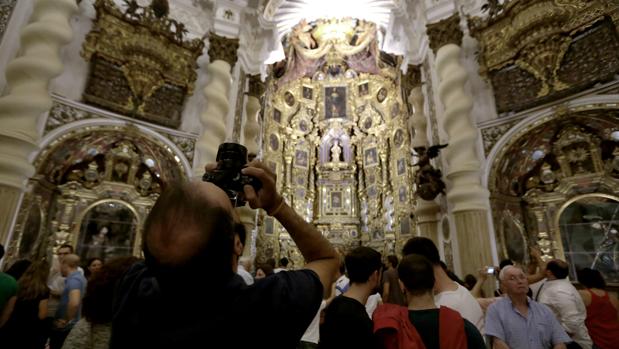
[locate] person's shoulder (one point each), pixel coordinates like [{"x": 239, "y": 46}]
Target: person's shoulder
[
  {"x": 499, "y": 304},
  {"x": 540, "y": 307},
  {"x": 7, "y": 280}
]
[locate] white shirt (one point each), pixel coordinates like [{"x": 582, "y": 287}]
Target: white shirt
[
  {"x": 567, "y": 305},
  {"x": 372, "y": 302},
  {"x": 463, "y": 302},
  {"x": 249, "y": 280},
  {"x": 312, "y": 333}
]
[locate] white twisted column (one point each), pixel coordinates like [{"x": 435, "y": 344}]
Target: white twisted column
[
  {"x": 252, "y": 127},
  {"x": 425, "y": 211},
  {"x": 222, "y": 53},
  {"x": 28, "y": 78},
  {"x": 465, "y": 192},
  {"x": 252, "y": 130}
]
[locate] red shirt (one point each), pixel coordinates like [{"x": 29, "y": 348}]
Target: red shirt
[{"x": 602, "y": 321}]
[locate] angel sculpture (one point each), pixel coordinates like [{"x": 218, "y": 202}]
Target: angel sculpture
[
  {"x": 428, "y": 179},
  {"x": 493, "y": 7},
  {"x": 160, "y": 8}
]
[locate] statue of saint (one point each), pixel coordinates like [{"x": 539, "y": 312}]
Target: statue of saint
[{"x": 336, "y": 152}]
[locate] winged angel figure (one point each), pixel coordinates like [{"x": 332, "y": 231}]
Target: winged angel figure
[{"x": 428, "y": 179}]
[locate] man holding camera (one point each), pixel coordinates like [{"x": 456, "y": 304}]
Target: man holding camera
[{"x": 186, "y": 293}]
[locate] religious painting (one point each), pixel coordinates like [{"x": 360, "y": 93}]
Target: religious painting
[
  {"x": 381, "y": 95},
  {"x": 402, "y": 194},
  {"x": 268, "y": 226},
  {"x": 398, "y": 138},
  {"x": 289, "y": 98},
  {"x": 405, "y": 226},
  {"x": 335, "y": 102},
  {"x": 364, "y": 89},
  {"x": 300, "y": 158},
  {"x": 370, "y": 157},
  {"x": 273, "y": 142},
  {"x": 277, "y": 115},
  {"x": 395, "y": 110},
  {"x": 367, "y": 123},
  {"x": 303, "y": 126},
  {"x": 308, "y": 93},
  {"x": 401, "y": 165},
  {"x": 378, "y": 235},
  {"x": 336, "y": 199},
  {"x": 372, "y": 191}
]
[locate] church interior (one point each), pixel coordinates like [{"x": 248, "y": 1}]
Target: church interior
[{"x": 490, "y": 127}]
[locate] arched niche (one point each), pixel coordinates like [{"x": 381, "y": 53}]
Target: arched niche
[
  {"x": 90, "y": 164},
  {"x": 107, "y": 228},
  {"x": 544, "y": 163},
  {"x": 588, "y": 229}
]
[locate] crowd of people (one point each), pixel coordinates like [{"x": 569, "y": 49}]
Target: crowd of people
[{"x": 193, "y": 288}]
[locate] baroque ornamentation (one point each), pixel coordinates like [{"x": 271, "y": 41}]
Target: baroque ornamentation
[
  {"x": 412, "y": 79},
  {"x": 335, "y": 132},
  {"x": 223, "y": 49},
  {"x": 141, "y": 64},
  {"x": 536, "y": 51},
  {"x": 491, "y": 135},
  {"x": 446, "y": 31}
]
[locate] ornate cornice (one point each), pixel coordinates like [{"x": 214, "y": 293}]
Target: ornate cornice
[
  {"x": 222, "y": 49},
  {"x": 446, "y": 31},
  {"x": 256, "y": 86}
]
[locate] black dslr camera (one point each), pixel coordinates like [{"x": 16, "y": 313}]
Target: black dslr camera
[{"x": 231, "y": 159}]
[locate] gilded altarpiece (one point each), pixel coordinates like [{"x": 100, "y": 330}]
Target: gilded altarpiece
[
  {"x": 556, "y": 186},
  {"x": 335, "y": 132}
]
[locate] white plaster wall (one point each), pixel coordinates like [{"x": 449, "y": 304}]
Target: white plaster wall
[{"x": 72, "y": 81}]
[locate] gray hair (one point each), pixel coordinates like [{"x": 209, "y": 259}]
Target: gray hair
[{"x": 504, "y": 271}]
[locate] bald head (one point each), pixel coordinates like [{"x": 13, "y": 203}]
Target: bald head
[
  {"x": 186, "y": 219},
  {"x": 69, "y": 264}
]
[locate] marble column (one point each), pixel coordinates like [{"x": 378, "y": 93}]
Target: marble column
[
  {"x": 223, "y": 55},
  {"x": 252, "y": 131},
  {"x": 28, "y": 77},
  {"x": 426, "y": 212},
  {"x": 465, "y": 194}
]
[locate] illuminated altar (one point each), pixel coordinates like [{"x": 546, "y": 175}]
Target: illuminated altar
[{"x": 335, "y": 133}]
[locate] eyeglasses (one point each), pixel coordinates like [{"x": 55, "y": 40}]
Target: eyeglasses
[{"x": 62, "y": 253}]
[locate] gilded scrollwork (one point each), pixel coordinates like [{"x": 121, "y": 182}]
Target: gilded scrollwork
[
  {"x": 141, "y": 63},
  {"x": 223, "y": 48},
  {"x": 537, "y": 51}
]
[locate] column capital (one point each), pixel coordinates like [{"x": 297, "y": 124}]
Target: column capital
[
  {"x": 412, "y": 78},
  {"x": 256, "y": 86},
  {"x": 222, "y": 48},
  {"x": 443, "y": 32}
]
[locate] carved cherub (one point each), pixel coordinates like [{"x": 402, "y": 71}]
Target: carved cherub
[
  {"x": 160, "y": 8},
  {"x": 493, "y": 7},
  {"x": 303, "y": 34},
  {"x": 428, "y": 179}
]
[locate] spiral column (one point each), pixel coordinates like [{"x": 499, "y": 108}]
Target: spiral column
[
  {"x": 28, "y": 98},
  {"x": 222, "y": 54},
  {"x": 468, "y": 199},
  {"x": 425, "y": 211}
]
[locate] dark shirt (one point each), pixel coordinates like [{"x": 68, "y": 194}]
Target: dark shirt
[
  {"x": 24, "y": 329},
  {"x": 427, "y": 325},
  {"x": 149, "y": 314},
  {"x": 346, "y": 325}
]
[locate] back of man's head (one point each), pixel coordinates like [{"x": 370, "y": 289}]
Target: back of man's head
[
  {"x": 422, "y": 246},
  {"x": 71, "y": 260},
  {"x": 361, "y": 263},
  {"x": 558, "y": 268},
  {"x": 417, "y": 274},
  {"x": 66, "y": 246},
  {"x": 393, "y": 260},
  {"x": 283, "y": 262},
  {"x": 188, "y": 230}
]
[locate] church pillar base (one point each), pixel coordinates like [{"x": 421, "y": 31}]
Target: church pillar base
[{"x": 474, "y": 243}]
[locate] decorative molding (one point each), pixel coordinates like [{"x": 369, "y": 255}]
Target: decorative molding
[
  {"x": 446, "y": 31},
  {"x": 223, "y": 49},
  {"x": 491, "y": 135},
  {"x": 411, "y": 79},
  {"x": 64, "y": 112},
  {"x": 6, "y": 10}
]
